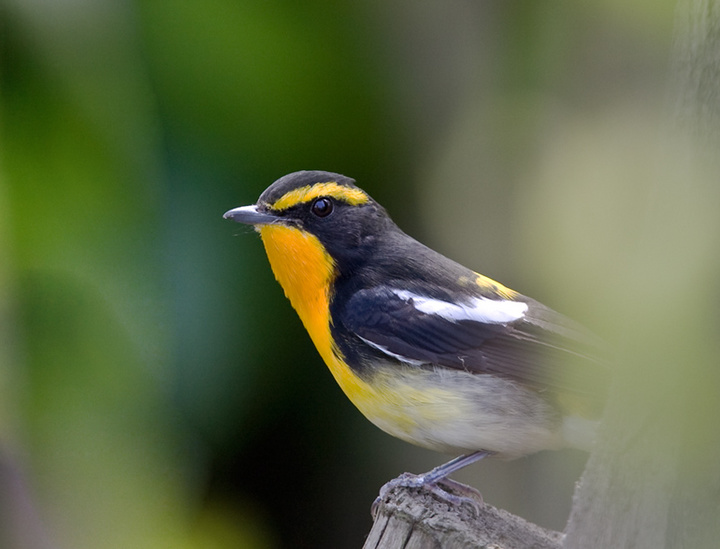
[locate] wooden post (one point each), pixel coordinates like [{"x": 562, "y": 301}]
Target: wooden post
[{"x": 414, "y": 518}]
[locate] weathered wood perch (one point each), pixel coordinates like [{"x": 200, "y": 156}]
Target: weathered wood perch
[{"x": 414, "y": 518}]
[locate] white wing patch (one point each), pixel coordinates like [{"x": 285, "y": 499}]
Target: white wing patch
[{"x": 479, "y": 309}]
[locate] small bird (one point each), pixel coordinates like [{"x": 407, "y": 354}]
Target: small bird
[{"x": 429, "y": 351}]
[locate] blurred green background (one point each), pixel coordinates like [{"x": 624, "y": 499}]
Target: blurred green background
[{"x": 156, "y": 389}]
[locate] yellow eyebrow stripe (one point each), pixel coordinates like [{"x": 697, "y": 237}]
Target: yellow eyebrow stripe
[{"x": 353, "y": 197}]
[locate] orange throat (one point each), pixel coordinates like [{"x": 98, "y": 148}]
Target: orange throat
[{"x": 305, "y": 271}]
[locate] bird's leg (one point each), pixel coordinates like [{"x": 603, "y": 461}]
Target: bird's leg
[
  {"x": 442, "y": 471},
  {"x": 431, "y": 480}
]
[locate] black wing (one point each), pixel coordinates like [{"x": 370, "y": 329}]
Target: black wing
[{"x": 542, "y": 349}]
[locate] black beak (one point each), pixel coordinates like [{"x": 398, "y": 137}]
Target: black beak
[{"x": 250, "y": 216}]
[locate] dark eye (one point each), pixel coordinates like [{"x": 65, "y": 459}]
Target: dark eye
[{"x": 322, "y": 207}]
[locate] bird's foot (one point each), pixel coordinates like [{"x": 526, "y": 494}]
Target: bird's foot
[
  {"x": 444, "y": 489},
  {"x": 433, "y": 479}
]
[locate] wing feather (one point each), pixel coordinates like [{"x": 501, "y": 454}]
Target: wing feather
[{"x": 541, "y": 348}]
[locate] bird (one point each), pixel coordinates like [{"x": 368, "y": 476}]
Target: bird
[{"x": 431, "y": 352}]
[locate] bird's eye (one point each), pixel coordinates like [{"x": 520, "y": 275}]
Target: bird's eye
[{"x": 322, "y": 207}]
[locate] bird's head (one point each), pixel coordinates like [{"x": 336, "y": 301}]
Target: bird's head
[{"x": 317, "y": 208}]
